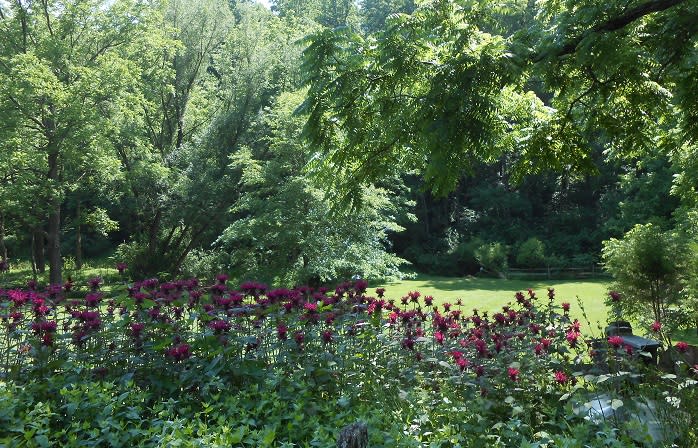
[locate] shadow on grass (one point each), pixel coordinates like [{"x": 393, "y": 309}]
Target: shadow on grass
[{"x": 492, "y": 284}]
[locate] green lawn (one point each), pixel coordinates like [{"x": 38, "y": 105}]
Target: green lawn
[{"x": 491, "y": 293}]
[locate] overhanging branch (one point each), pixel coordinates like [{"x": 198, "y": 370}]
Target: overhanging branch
[{"x": 613, "y": 24}]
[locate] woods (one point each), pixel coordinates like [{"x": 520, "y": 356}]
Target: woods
[{"x": 182, "y": 134}]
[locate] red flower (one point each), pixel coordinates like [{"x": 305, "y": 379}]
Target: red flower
[
  {"x": 327, "y": 336},
  {"x": 282, "y": 331},
  {"x": 92, "y": 299},
  {"x": 616, "y": 341},
  {"x": 439, "y": 336},
  {"x": 121, "y": 267},
  {"x": 566, "y": 307},
  {"x": 561, "y": 377},
  {"x": 614, "y": 295},
  {"x": 219, "y": 326},
  {"x": 462, "y": 363},
  {"x": 179, "y": 352},
  {"x": 656, "y": 326},
  {"x": 513, "y": 373},
  {"x": 136, "y": 329},
  {"x": 682, "y": 347},
  {"x": 94, "y": 282},
  {"x": 628, "y": 349},
  {"x": 572, "y": 337},
  {"x": 310, "y": 307}
]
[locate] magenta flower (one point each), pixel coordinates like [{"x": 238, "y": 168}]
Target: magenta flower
[
  {"x": 219, "y": 326},
  {"x": 92, "y": 299},
  {"x": 462, "y": 363},
  {"x": 121, "y": 267},
  {"x": 360, "y": 286},
  {"x": 179, "y": 352},
  {"x": 44, "y": 327},
  {"x": 561, "y": 377},
  {"x": 614, "y": 295},
  {"x": 136, "y": 329},
  {"x": 572, "y": 337},
  {"x": 566, "y": 307},
  {"x": 408, "y": 343},
  {"x": 656, "y": 326},
  {"x": 327, "y": 336},
  {"x": 439, "y": 337},
  {"x": 299, "y": 337},
  {"x": 282, "y": 331},
  {"x": 616, "y": 341},
  {"x": 94, "y": 283},
  {"x": 682, "y": 347},
  {"x": 513, "y": 374}
]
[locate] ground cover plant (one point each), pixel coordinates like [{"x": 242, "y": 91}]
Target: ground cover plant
[{"x": 180, "y": 363}]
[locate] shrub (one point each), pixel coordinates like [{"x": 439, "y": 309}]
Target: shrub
[
  {"x": 647, "y": 267},
  {"x": 493, "y": 257},
  {"x": 531, "y": 254}
]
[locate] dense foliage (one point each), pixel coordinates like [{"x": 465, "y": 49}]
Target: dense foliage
[
  {"x": 164, "y": 129},
  {"x": 159, "y": 362}
]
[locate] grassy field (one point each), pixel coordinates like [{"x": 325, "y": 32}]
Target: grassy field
[{"x": 492, "y": 293}]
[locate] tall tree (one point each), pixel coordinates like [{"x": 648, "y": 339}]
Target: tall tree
[
  {"x": 448, "y": 86},
  {"x": 285, "y": 229},
  {"x": 60, "y": 71}
]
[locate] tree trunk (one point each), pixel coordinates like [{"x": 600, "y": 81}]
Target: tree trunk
[
  {"x": 39, "y": 250},
  {"x": 353, "y": 436},
  {"x": 54, "y": 224},
  {"x": 3, "y": 248},
  {"x": 78, "y": 238},
  {"x": 33, "y": 251}
]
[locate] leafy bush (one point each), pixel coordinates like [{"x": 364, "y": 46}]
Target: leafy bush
[
  {"x": 493, "y": 257},
  {"x": 531, "y": 254},
  {"x": 647, "y": 267}
]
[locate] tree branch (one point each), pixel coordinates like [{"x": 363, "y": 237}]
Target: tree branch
[{"x": 612, "y": 24}]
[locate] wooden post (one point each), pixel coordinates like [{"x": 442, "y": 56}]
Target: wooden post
[{"x": 353, "y": 436}]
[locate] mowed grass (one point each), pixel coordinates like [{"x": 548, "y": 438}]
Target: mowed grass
[{"x": 490, "y": 294}]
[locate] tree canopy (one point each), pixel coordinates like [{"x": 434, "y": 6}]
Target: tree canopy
[{"x": 459, "y": 82}]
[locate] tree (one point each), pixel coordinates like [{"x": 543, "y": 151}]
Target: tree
[
  {"x": 179, "y": 97},
  {"x": 61, "y": 70},
  {"x": 374, "y": 13},
  {"x": 648, "y": 266},
  {"x": 284, "y": 228},
  {"x": 452, "y": 84}
]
